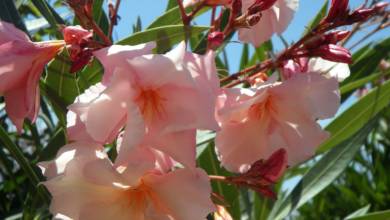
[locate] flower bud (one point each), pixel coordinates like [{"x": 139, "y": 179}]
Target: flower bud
[
  {"x": 380, "y": 6},
  {"x": 76, "y": 35},
  {"x": 338, "y": 8},
  {"x": 215, "y": 39},
  {"x": 360, "y": 15},
  {"x": 330, "y": 38},
  {"x": 260, "y": 5},
  {"x": 333, "y": 53}
]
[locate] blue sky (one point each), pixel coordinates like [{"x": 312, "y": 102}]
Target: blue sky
[{"x": 148, "y": 10}]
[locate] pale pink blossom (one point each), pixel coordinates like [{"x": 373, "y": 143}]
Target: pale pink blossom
[
  {"x": 329, "y": 69},
  {"x": 273, "y": 21},
  {"x": 257, "y": 121},
  {"x": 86, "y": 185},
  {"x": 21, "y": 65},
  {"x": 161, "y": 99}
]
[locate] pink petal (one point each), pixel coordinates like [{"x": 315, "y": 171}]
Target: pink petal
[
  {"x": 177, "y": 188},
  {"x": 116, "y": 55},
  {"x": 9, "y": 32}
]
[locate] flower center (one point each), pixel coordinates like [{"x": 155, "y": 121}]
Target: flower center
[
  {"x": 263, "y": 109},
  {"x": 151, "y": 103}
]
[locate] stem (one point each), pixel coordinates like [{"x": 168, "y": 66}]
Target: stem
[
  {"x": 219, "y": 178},
  {"x": 23, "y": 163},
  {"x": 100, "y": 33},
  {"x": 184, "y": 16},
  {"x": 113, "y": 17}
]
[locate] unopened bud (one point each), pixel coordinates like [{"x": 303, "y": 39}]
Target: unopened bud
[
  {"x": 75, "y": 34},
  {"x": 217, "y": 2},
  {"x": 380, "y": 6},
  {"x": 330, "y": 38},
  {"x": 360, "y": 15},
  {"x": 215, "y": 39},
  {"x": 260, "y": 5},
  {"x": 338, "y": 8},
  {"x": 333, "y": 53}
]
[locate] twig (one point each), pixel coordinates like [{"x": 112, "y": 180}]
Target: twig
[{"x": 113, "y": 16}]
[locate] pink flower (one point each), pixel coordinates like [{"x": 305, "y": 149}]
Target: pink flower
[
  {"x": 21, "y": 65},
  {"x": 86, "y": 185},
  {"x": 162, "y": 100},
  {"x": 273, "y": 21},
  {"x": 257, "y": 121}
]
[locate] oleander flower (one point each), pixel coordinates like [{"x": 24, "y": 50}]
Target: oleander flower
[
  {"x": 329, "y": 69},
  {"x": 21, "y": 65},
  {"x": 161, "y": 99},
  {"x": 273, "y": 21},
  {"x": 85, "y": 185},
  {"x": 257, "y": 121}
]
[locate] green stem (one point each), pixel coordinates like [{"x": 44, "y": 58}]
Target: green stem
[{"x": 23, "y": 163}]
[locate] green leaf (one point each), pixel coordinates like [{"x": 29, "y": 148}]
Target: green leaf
[
  {"x": 261, "y": 207},
  {"x": 60, "y": 81},
  {"x": 171, "y": 4},
  {"x": 323, "y": 173},
  {"x": 168, "y": 35},
  {"x": 383, "y": 215},
  {"x": 9, "y": 13},
  {"x": 57, "y": 140},
  {"x": 100, "y": 16},
  {"x": 209, "y": 162},
  {"x": 320, "y": 15},
  {"x": 17, "y": 154},
  {"x": 350, "y": 87},
  {"x": 359, "y": 212},
  {"x": 356, "y": 116},
  {"x": 50, "y": 14}
]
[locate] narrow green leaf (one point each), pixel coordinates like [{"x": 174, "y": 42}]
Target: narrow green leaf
[
  {"x": 170, "y": 34},
  {"x": 209, "y": 162},
  {"x": 100, "y": 16},
  {"x": 171, "y": 4},
  {"x": 320, "y": 15},
  {"x": 323, "y": 173},
  {"x": 50, "y": 14},
  {"x": 9, "y": 13},
  {"x": 57, "y": 140},
  {"x": 60, "y": 80},
  {"x": 356, "y": 116},
  {"x": 359, "y": 212},
  {"x": 383, "y": 215},
  {"x": 361, "y": 82},
  {"x": 23, "y": 163}
]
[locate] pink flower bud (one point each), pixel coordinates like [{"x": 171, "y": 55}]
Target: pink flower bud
[
  {"x": 75, "y": 35},
  {"x": 338, "y": 8},
  {"x": 333, "y": 53},
  {"x": 215, "y": 39}
]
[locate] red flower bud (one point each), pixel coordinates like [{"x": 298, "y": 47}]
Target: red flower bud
[
  {"x": 263, "y": 174},
  {"x": 380, "y": 6},
  {"x": 260, "y": 5},
  {"x": 338, "y": 8},
  {"x": 330, "y": 38},
  {"x": 360, "y": 15},
  {"x": 215, "y": 39},
  {"x": 333, "y": 53},
  {"x": 217, "y": 2}
]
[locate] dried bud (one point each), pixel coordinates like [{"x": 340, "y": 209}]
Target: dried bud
[
  {"x": 260, "y": 5},
  {"x": 338, "y": 8},
  {"x": 215, "y": 39},
  {"x": 263, "y": 174},
  {"x": 76, "y": 35},
  {"x": 333, "y": 53},
  {"x": 252, "y": 20}
]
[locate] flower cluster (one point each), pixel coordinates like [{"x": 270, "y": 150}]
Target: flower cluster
[{"x": 152, "y": 105}]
